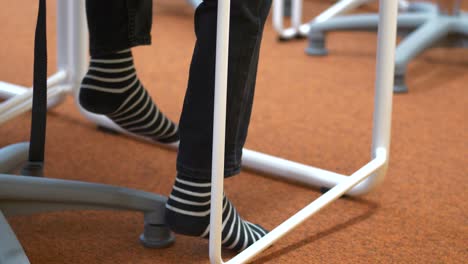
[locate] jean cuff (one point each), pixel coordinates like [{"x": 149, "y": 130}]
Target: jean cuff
[{"x": 204, "y": 173}]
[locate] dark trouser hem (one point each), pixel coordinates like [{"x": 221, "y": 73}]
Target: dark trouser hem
[
  {"x": 198, "y": 164},
  {"x": 118, "y": 24},
  {"x": 205, "y": 174},
  {"x": 102, "y": 51}
]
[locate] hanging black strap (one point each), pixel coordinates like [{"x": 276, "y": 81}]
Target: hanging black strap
[{"x": 39, "y": 106}]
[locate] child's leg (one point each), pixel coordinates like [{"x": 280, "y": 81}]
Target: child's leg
[
  {"x": 188, "y": 207},
  {"x": 188, "y": 213},
  {"x": 111, "y": 87}
]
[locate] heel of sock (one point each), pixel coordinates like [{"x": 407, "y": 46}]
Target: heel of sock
[
  {"x": 95, "y": 102},
  {"x": 186, "y": 225}
]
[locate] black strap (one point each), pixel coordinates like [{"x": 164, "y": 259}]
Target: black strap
[{"x": 39, "y": 106}]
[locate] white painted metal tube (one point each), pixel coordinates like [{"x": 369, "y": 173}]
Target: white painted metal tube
[
  {"x": 385, "y": 64},
  {"x": 309, "y": 210},
  {"x": 344, "y": 6},
  {"x": 72, "y": 40},
  {"x": 385, "y": 67},
  {"x": 219, "y": 130},
  {"x": 54, "y": 95},
  {"x": 78, "y": 41},
  {"x": 8, "y": 90},
  {"x": 278, "y": 15},
  {"x": 27, "y": 93},
  {"x": 290, "y": 170},
  {"x": 339, "y": 8},
  {"x": 63, "y": 32},
  {"x": 403, "y": 5},
  {"x": 296, "y": 16},
  {"x": 296, "y": 13}
]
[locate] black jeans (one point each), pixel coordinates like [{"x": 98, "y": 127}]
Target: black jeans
[{"x": 120, "y": 24}]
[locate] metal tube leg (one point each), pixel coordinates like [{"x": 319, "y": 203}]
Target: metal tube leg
[
  {"x": 278, "y": 16},
  {"x": 219, "y": 130},
  {"x": 282, "y": 9},
  {"x": 422, "y": 38},
  {"x": 79, "y": 43},
  {"x": 383, "y": 93},
  {"x": 11, "y": 251},
  {"x": 63, "y": 31}
]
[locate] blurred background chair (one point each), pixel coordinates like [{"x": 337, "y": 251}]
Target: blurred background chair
[
  {"x": 293, "y": 10},
  {"x": 424, "y": 25},
  {"x": 194, "y": 3}
]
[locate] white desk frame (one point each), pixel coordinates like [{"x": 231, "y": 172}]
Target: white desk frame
[{"x": 72, "y": 63}]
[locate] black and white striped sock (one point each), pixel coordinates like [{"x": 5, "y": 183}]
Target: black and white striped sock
[
  {"x": 112, "y": 88},
  {"x": 188, "y": 213}
]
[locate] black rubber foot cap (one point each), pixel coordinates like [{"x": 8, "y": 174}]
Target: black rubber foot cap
[
  {"x": 35, "y": 169},
  {"x": 157, "y": 236}
]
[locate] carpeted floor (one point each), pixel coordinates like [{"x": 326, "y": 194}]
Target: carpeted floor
[{"x": 313, "y": 110}]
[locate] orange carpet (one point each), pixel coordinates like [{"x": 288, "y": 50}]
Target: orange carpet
[{"x": 313, "y": 110}]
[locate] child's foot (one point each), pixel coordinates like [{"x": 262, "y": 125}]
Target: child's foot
[
  {"x": 112, "y": 88},
  {"x": 188, "y": 213}
]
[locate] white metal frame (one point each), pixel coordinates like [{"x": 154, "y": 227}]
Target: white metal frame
[
  {"x": 72, "y": 60},
  {"x": 298, "y": 29},
  {"x": 360, "y": 182}
]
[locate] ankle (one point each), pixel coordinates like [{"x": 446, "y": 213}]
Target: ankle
[{"x": 107, "y": 74}]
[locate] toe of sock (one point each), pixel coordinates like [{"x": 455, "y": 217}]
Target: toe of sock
[{"x": 263, "y": 229}]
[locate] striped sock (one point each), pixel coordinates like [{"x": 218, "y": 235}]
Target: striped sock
[
  {"x": 112, "y": 88},
  {"x": 188, "y": 213}
]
